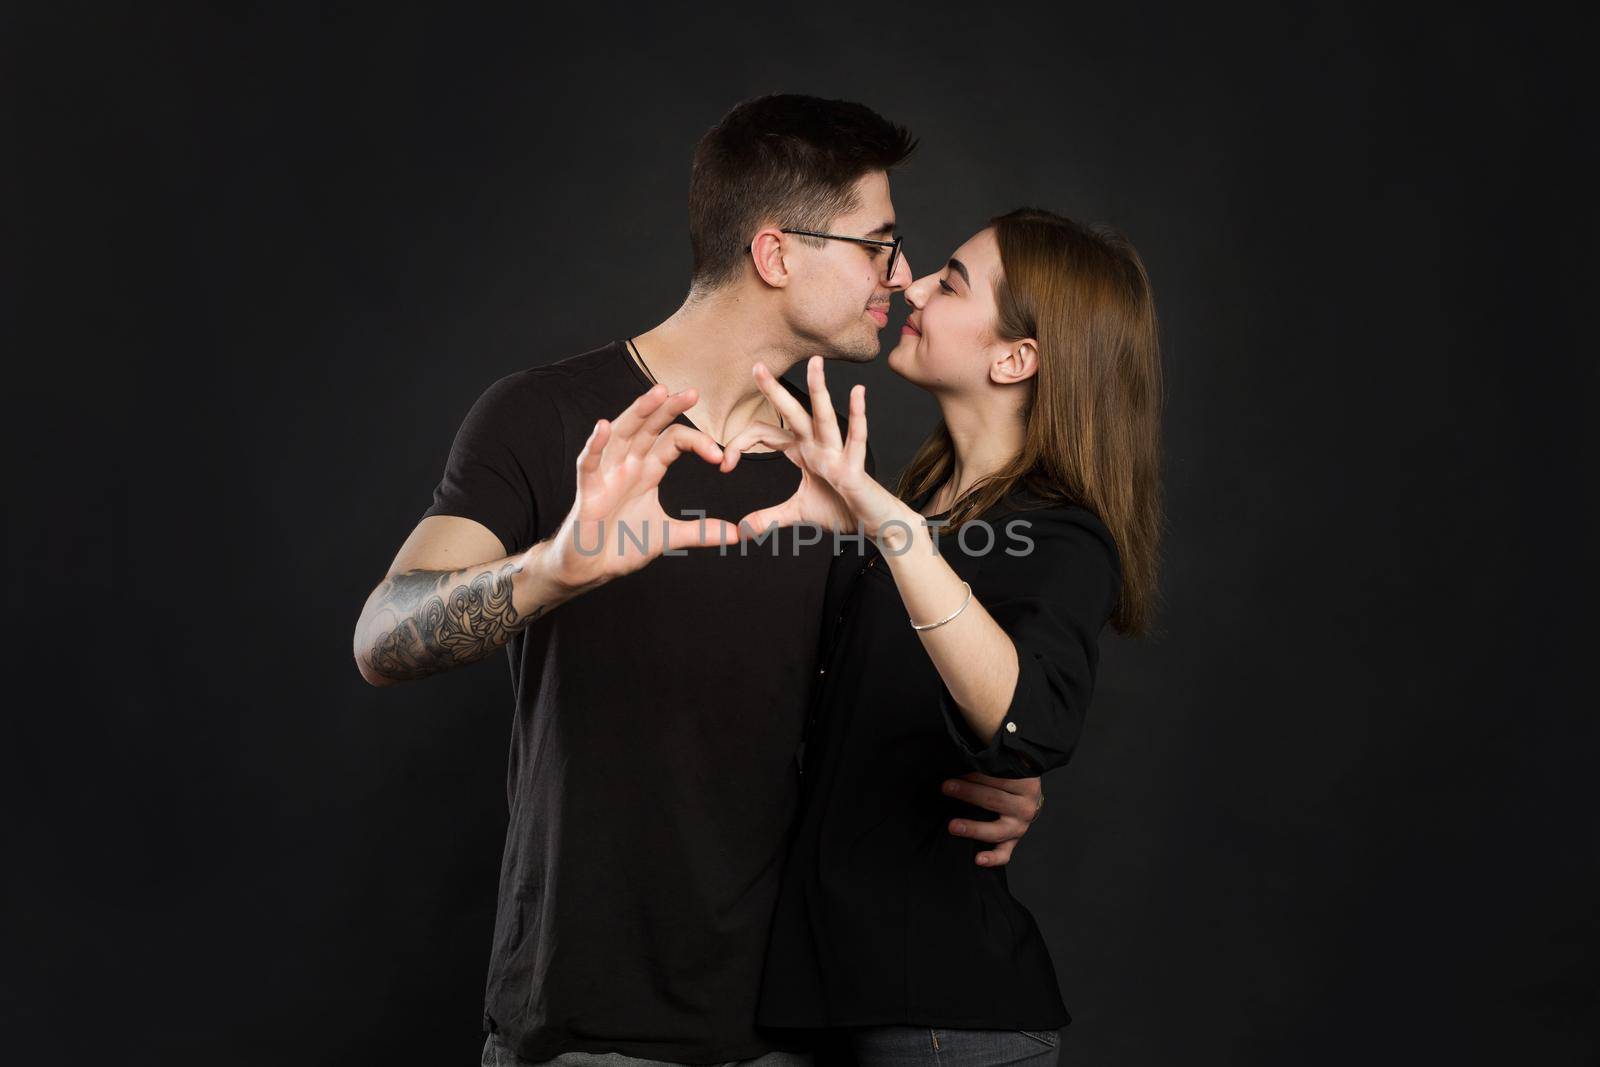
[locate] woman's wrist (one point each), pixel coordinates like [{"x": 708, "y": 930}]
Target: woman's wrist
[{"x": 897, "y": 530}]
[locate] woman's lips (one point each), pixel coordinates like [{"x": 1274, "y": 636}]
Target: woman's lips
[
  {"x": 910, "y": 329},
  {"x": 880, "y": 316}
]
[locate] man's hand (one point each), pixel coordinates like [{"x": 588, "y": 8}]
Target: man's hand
[
  {"x": 616, "y": 524},
  {"x": 1016, "y": 800}
]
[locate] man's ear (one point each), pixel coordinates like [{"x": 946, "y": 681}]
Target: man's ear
[
  {"x": 766, "y": 253},
  {"x": 1019, "y": 362}
]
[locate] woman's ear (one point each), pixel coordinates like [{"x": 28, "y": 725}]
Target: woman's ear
[
  {"x": 1019, "y": 363},
  {"x": 766, "y": 253}
]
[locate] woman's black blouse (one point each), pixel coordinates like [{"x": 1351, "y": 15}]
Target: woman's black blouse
[{"x": 884, "y": 918}]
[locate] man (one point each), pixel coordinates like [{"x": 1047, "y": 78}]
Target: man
[{"x": 653, "y": 768}]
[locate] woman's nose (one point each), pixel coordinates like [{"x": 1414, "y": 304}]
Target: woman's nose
[{"x": 917, "y": 292}]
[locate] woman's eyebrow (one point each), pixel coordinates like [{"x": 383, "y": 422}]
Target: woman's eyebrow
[{"x": 961, "y": 269}]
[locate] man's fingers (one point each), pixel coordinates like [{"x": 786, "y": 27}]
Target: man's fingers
[
  {"x": 674, "y": 441},
  {"x": 998, "y": 856},
  {"x": 824, "y": 425},
  {"x": 701, "y": 533},
  {"x": 625, "y": 425},
  {"x": 661, "y": 418},
  {"x": 781, "y": 399},
  {"x": 1005, "y": 828},
  {"x": 990, "y": 798},
  {"x": 757, "y": 523},
  {"x": 1015, "y": 800},
  {"x": 757, "y": 433},
  {"x": 589, "y": 457},
  {"x": 1023, "y": 787}
]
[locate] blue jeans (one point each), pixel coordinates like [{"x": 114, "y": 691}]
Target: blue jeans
[
  {"x": 496, "y": 1053},
  {"x": 910, "y": 1046}
]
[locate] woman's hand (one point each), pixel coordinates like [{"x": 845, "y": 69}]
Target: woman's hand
[{"x": 835, "y": 491}]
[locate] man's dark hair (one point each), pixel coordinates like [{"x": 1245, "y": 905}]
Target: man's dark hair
[{"x": 793, "y": 160}]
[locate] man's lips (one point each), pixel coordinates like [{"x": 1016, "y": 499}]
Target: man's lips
[{"x": 879, "y": 315}]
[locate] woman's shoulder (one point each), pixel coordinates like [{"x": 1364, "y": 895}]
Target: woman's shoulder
[{"x": 1058, "y": 524}]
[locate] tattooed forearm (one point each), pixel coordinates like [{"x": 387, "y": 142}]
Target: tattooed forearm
[{"x": 423, "y": 622}]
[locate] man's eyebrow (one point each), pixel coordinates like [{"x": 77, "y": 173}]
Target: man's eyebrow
[
  {"x": 961, "y": 269},
  {"x": 886, "y": 229}
]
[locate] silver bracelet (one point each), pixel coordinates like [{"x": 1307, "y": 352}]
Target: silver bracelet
[{"x": 947, "y": 618}]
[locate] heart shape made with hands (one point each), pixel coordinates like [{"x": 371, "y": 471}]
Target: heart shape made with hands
[{"x": 623, "y": 461}]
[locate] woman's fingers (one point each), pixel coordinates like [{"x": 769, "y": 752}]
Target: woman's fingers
[
  {"x": 786, "y": 404},
  {"x": 855, "y": 447},
  {"x": 757, "y": 433},
  {"x": 824, "y": 425}
]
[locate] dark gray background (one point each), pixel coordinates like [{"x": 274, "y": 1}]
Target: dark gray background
[{"x": 1339, "y": 812}]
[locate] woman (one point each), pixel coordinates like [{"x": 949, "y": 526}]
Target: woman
[{"x": 1038, "y": 341}]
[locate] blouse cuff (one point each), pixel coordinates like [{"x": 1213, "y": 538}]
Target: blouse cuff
[{"x": 1011, "y": 753}]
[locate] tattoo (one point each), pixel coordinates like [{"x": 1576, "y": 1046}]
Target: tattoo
[{"x": 442, "y": 622}]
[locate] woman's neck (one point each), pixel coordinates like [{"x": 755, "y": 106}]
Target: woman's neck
[{"x": 985, "y": 437}]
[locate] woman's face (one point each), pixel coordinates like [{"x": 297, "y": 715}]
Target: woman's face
[{"x": 948, "y": 343}]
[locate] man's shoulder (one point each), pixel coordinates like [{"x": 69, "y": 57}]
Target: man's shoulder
[
  {"x": 582, "y": 380},
  {"x": 573, "y": 372},
  {"x": 600, "y": 361}
]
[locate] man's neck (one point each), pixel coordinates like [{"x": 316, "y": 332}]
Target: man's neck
[{"x": 711, "y": 343}]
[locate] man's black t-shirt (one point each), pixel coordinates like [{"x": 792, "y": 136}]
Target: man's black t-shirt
[{"x": 653, "y": 775}]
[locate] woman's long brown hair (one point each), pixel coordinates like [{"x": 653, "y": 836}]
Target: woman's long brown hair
[{"x": 1092, "y": 418}]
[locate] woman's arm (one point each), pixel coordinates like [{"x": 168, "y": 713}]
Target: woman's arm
[
  {"x": 973, "y": 654},
  {"x": 1018, "y": 677},
  {"x": 1016, "y": 672}
]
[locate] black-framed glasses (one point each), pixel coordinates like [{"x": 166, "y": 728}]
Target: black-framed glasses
[{"x": 893, "y": 246}]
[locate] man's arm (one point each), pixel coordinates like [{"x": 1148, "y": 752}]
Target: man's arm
[
  {"x": 453, "y": 595},
  {"x": 434, "y": 610}
]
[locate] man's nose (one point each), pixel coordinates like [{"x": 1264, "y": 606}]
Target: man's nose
[{"x": 902, "y": 276}]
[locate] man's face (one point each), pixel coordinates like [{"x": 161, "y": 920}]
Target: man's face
[{"x": 839, "y": 295}]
